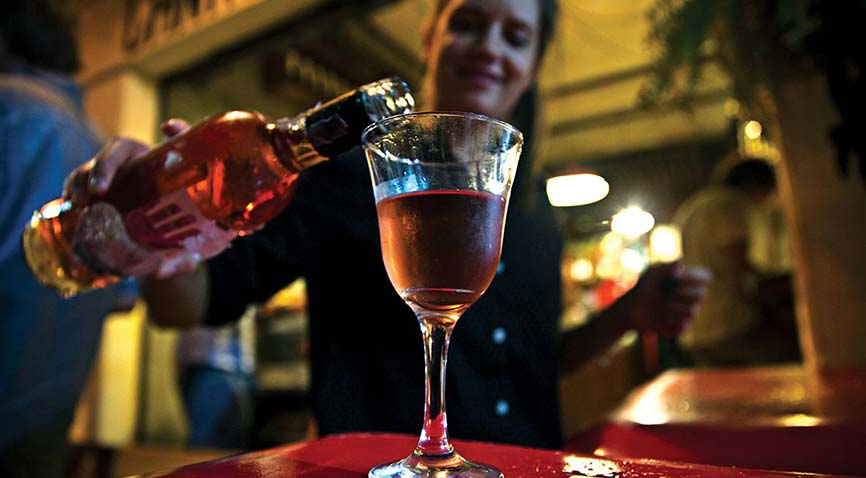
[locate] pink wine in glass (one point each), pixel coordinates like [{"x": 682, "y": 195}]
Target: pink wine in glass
[
  {"x": 441, "y": 182},
  {"x": 442, "y": 247}
]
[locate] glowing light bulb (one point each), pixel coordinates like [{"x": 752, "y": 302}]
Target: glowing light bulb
[
  {"x": 753, "y": 129},
  {"x": 631, "y": 222},
  {"x": 581, "y": 270},
  {"x": 665, "y": 243},
  {"x": 632, "y": 261}
]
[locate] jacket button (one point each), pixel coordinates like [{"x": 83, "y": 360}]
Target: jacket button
[
  {"x": 502, "y": 408},
  {"x": 499, "y": 335}
]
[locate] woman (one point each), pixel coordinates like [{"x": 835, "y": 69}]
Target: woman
[{"x": 482, "y": 56}]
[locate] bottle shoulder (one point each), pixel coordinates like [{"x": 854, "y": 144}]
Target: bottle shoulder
[{"x": 238, "y": 117}]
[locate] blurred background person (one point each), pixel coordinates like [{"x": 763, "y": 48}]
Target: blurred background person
[
  {"x": 47, "y": 344},
  {"x": 481, "y": 56},
  {"x": 740, "y": 322},
  {"x": 217, "y": 384}
]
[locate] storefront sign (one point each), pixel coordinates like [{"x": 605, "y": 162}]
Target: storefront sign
[{"x": 150, "y": 22}]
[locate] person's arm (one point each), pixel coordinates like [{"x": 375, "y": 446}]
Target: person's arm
[
  {"x": 579, "y": 345},
  {"x": 177, "y": 294},
  {"x": 218, "y": 291},
  {"x": 177, "y": 301},
  {"x": 665, "y": 298}
]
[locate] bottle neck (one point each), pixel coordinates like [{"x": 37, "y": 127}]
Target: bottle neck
[
  {"x": 296, "y": 150},
  {"x": 336, "y": 126}
]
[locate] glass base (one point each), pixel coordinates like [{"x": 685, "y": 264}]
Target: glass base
[{"x": 451, "y": 465}]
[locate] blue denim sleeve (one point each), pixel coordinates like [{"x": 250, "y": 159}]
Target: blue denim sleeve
[
  {"x": 39, "y": 146},
  {"x": 47, "y": 343}
]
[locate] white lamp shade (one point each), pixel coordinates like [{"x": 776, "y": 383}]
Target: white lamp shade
[{"x": 576, "y": 189}]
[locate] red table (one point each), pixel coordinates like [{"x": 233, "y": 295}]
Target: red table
[
  {"x": 760, "y": 417},
  {"x": 351, "y": 455}
]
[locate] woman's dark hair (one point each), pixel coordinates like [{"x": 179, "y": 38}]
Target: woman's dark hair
[
  {"x": 38, "y": 33},
  {"x": 527, "y": 117}
]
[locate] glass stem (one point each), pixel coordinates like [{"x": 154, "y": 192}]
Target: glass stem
[{"x": 437, "y": 336}]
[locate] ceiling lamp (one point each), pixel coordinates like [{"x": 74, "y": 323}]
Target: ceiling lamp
[{"x": 576, "y": 189}]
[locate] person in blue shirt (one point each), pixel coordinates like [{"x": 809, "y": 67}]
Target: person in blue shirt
[{"x": 47, "y": 343}]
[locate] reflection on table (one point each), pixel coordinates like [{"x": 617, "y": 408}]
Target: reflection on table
[
  {"x": 762, "y": 417},
  {"x": 351, "y": 455}
]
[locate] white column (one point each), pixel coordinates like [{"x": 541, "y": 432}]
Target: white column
[{"x": 828, "y": 239}]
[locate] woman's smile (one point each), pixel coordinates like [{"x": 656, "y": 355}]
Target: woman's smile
[{"x": 480, "y": 78}]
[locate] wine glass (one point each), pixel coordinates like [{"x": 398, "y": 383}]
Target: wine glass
[{"x": 441, "y": 183}]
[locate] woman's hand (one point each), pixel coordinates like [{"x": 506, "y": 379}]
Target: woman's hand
[
  {"x": 93, "y": 178},
  {"x": 87, "y": 183},
  {"x": 664, "y": 300},
  {"x": 667, "y": 297}
]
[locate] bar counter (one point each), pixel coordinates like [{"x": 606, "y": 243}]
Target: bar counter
[{"x": 352, "y": 455}]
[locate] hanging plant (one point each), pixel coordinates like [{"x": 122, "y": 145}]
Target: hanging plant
[{"x": 760, "y": 43}]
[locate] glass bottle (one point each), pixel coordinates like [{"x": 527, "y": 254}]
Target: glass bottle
[{"x": 223, "y": 177}]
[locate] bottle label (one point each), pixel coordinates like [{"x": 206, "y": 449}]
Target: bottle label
[
  {"x": 325, "y": 131},
  {"x": 138, "y": 243},
  {"x": 336, "y": 126}
]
